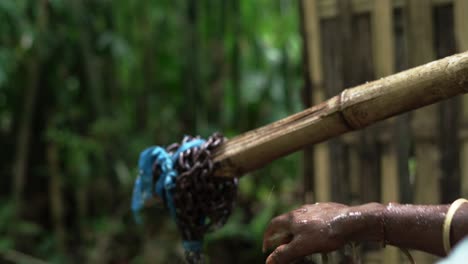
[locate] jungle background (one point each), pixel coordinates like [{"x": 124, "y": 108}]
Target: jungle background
[{"x": 85, "y": 85}]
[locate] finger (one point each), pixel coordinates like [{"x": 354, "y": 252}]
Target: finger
[
  {"x": 273, "y": 240},
  {"x": 283, "y": 254},
  {"x": 277, "y": 232},
  {"x": 281, "y": 222}
]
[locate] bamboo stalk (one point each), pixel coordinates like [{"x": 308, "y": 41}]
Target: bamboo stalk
[
  {"x": 461, "y": 20},
  {"x": 424, "y": 122},
  {"x": 350, "y": 110},
  {"x": 384, "y": 61},
  {"x": 55, "y": 196},
  {"x": 319, "y": 156},
  {"x": 26, "y": 129}
]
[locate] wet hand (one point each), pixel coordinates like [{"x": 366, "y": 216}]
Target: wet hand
[{"x": 321, "y": 227}]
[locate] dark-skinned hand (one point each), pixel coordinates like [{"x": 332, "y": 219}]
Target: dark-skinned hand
[{"x": 320, "y": 227}]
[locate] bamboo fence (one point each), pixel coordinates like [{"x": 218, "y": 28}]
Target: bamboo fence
[
  {"x": 415, "y": 157},
  {"x": 355, "y": 41}
]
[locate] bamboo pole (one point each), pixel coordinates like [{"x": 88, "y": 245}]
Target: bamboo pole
[
  {"x": 26, "y": 125},
  {"x": 461, "y": 21},
  {"x": 449, "y": 111},
  {"x": 321, "y": 155},
  {"x": 350, "y": 110},
  {"x": 424, "y": 121},
  {"x": 363, "y": 153},
  {"x": 55, "y": 196},
  {"x": 321, "y": 151},
  {"x": 384, "y": 61},
  {"x": 343, "y": 75}
]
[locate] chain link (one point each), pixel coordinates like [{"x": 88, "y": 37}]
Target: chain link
[{"x": 203, "y": 203}]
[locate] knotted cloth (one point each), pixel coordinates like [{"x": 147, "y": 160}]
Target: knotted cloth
[{"x": 181, "y": 176}]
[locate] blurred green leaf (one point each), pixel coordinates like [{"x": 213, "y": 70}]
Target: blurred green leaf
[
  {"x": 28, "y": 228},
  {"x": 6, "y": 244}
]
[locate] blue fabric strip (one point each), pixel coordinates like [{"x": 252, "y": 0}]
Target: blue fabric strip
[
  {"x": 144, "y": 189},
  {"x": 194, "y": 245}
]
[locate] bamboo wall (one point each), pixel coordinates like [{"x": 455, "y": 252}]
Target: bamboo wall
[{"x": 420, "y": 157}]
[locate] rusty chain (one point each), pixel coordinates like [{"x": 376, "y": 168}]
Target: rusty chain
[{"x": 203, "y": 202}]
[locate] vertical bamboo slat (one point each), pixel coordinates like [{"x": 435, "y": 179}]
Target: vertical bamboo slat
[
  {"x": 461, "y": 36},
  {"x": 364, "y": 144},
  {"x": 424, "y": 121},
  {"x": 384, "y": 64},
  {"x": 342, "y": 71},
  {"x": 383, "y": 39},
  {"x": 351, "y": 141},
  {"x": 308, "y": 190},
  {"x": 321, "y": 153},
  {"x": 444, "y": 34},
  {"x": 403, "y": 138}
]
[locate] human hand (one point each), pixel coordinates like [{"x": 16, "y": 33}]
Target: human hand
[{"x": 320, "y": 227}]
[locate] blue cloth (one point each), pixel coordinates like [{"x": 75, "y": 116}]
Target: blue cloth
[
  {"x": 458, "y": 255},
  {"x": 144, "y": 190},
  {"x": 195, "y": 245}
]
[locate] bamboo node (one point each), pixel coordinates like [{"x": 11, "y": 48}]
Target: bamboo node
[{"x": 351, "y": 120}]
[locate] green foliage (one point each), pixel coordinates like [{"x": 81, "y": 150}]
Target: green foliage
[{"x": 116, "y": 76}]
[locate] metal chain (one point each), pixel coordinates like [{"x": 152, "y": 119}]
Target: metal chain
[
  {"x": 203, "y": 203},
  {"x": 194, "y": 257}
]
